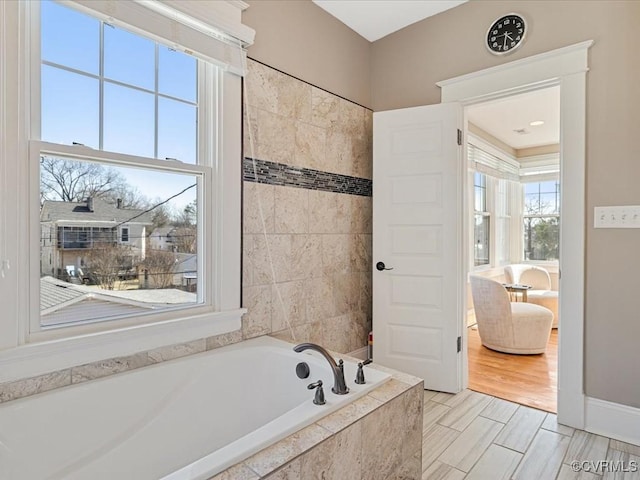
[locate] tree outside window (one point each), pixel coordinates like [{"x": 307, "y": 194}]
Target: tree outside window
[{"x": 542, "y": 220}]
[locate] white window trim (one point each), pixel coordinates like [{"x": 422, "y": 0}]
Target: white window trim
[{"x": 22, "y": 355}]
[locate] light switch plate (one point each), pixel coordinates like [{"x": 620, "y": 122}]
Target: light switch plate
[{"x": 626, "y": 216}]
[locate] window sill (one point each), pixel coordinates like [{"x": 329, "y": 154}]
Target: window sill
[{"x": 39, "y": 358}]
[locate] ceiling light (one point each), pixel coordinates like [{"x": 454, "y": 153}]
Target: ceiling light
[{"x": 536, "y": 123}]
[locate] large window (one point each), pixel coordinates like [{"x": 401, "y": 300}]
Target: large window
[
  {"x": 541, "y": 220},
  {"x": 121, "y": 129}
]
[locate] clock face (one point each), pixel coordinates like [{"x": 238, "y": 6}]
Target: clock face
[{"x": 506, "y": 34}]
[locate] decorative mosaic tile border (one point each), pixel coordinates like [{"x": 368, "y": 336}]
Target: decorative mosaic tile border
[{"x": 280, "y": 174}]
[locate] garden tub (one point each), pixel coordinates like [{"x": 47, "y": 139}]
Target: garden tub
[{"x": 189, "y": 418}]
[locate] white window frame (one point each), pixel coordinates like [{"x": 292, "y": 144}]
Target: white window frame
[{"x": 24, "y": 353}]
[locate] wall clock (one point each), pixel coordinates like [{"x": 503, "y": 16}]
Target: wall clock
[{"x": 506, "y": 34}]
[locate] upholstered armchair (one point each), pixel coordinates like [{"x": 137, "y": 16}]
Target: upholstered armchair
[
  {"x": 505, "y": 326},
  {"x": 540, "y": 281}
]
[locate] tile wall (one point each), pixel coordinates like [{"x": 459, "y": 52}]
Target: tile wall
[{"x": 307, "y": 213}]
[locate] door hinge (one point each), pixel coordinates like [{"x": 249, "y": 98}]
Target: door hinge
[
  {"x": 459, "y": 137},
  {"x": 459, "y": 343}
]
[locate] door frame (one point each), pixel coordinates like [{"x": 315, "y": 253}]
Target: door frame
[{"x": 567, "y": 68}]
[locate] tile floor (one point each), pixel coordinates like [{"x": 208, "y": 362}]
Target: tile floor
[{"x": 474, "y": 436}]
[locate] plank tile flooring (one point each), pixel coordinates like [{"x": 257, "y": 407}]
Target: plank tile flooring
[
  {"x": 526, "y": 379},
  {"x": 474, "y": 436}
]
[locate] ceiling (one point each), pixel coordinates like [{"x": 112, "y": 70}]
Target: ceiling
[
  {"x": 508, "y": 119},
  {"x": 501, "y": 118},
  {"x": 374, "y": 19}
]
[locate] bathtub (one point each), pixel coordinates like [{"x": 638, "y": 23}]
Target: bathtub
[{"x": 189, "y": 418}]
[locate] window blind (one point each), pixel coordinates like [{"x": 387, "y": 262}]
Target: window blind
[
  {"x": 175, "y": 29},
  {"x": 484, "y": 162}
]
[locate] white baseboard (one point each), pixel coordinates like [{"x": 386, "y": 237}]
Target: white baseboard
[
  {"x": 612, "y": 420},
  {"x": 360, "y": 353}
]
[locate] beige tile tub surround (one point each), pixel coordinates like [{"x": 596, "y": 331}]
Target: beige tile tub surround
[
  {"x": 377, "y": 437},
  {"x": 306, "y": 253}
]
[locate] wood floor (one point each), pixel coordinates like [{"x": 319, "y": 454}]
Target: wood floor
[{"x": 526, "y": 379}]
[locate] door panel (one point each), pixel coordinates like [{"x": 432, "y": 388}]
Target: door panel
[{"x": 417, "y": 231}]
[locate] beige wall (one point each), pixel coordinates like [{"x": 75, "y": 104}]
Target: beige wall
[
  {"x": 405, "y": 67},
  {"x": 299, "y": 38}
]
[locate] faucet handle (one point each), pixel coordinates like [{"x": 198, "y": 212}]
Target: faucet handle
[
  {"x": 360, "y": 373},
  {"x": 319, "y": 396}
]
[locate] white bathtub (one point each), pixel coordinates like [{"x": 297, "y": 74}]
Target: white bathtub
[{"x": 185, "y": 419}]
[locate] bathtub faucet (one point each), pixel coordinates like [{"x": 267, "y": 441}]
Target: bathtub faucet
[{"x": 339, "y": 384}]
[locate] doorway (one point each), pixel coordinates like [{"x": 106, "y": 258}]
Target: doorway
[{"x": 513, "y": 160}]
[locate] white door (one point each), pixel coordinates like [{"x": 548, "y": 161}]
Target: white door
[{"x": 418, "y": 227}]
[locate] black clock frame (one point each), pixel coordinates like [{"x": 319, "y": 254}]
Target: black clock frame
[{"x": 493, "y": 26}]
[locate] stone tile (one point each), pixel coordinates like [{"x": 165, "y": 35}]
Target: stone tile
[
  {"x": 288, "y": 305},
  {"x": 543, "y": 459},
  {"x": 343, "y": 210},
  {"x": 297, "y": 334},
  {"x": 432, "y": 413},
  {"x": 275, "y": 456},
  {"x": 551, "y": 423},
  {"x": 322, "y": 212},
  {"x": 280, "y": 257},
  {"x": 463, "y": 413},
  {"x": 310, "y": 148},
  {"x": 224, "y": 339},
  {"x": 499, "y": 410},
  {"x": 176, "y": 351},
  {"x": 291, "y": 210},
  {"x": 442, "y": 471},
  {"x": 497, "y": 463},
  {"x": 443, "y": 397},
  {"x": 261, "y": 87},
  {"x": 362, "y": 214},
  {"x": 586, "y": 446},
  {"x": 259, "y": 259},
  {"x": 339, "y": 153},
  {"x": 250, "y": 125},
  {"x": 622, "y": 466},
  {"x": 336, "y": 253},
  {"x": 436, "y": 440},
  {"x": 306, "y": 256},
  {"x": 324, "y": 108},
  {"x": 290, "y": 471},
  {"x": 258, "y": 302},
  {"x": 276, "y": 137},
  {"x": 410, "y": 469},
  {"x": 346, "y": 292},
  {"x": 33, "y": 385},
  {"x": 382, "y": 434},
  {"x": 258, "y": 208},
  {"x": 103, "y": 368},
  {"x": 320, "y": 303},
  {"x": 337, "y": 333},
  {"x": 247, "y": 267},
  {"x": 520, "y": 430},
  {"x": 566, "y": 473},
  {"x": 412, "y": 411},
  {"x": 360, "y": 247},
  {"x": 349, "y": 414},
  {"x": 237, "y": 472},
  {"x": 471, "y": 444},
  {"x": 294, "y": 98},
  {"x": 388, "y": 390},
  {"x": 338, "y": 457}
]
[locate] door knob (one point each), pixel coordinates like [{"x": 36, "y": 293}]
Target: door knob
[{"x": 380, "y": 266}]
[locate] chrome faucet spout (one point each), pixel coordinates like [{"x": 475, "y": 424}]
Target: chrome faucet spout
[{"x": 339, "y": 383}]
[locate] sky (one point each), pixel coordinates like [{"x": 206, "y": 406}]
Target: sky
[{"x": 70, "y": 102}]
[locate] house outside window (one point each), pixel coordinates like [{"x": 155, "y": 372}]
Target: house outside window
[
  {"x": 541, "y": 220},
  {"x": 31, "y": 143}
]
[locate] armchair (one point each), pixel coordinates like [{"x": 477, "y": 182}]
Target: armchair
[
  {"x": 509, "y": 327},
  {"x": 538, "y": 278}
]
